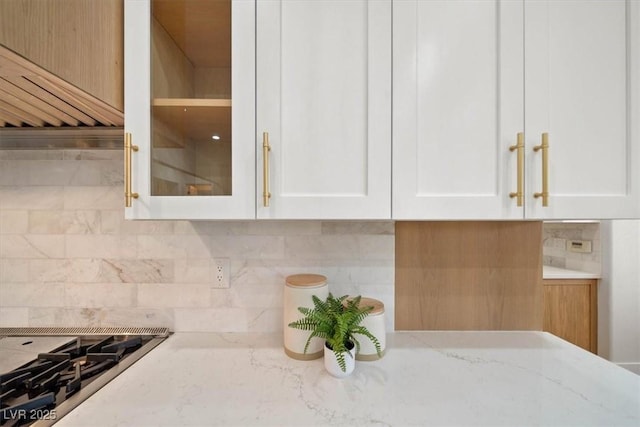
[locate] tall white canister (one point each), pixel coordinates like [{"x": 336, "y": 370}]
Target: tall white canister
[
  {"x": 374, "y": 322},
  {"x": 297, "y": 293}
]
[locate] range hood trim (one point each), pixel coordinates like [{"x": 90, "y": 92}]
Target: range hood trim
[{"x": 77, "y": 138}]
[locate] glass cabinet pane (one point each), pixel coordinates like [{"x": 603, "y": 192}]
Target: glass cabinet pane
[{"x": 191, "y": 97}]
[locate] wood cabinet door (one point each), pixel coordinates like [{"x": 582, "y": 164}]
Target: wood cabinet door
[
  {"x": 457, "y": 108},
  {"x": 190, "y": 108},
  {"x": 468, "y": 275},
  {"x": 582, "y": 88},
  {"x": 570, "y": 311},
  {"x": 324, "y": 98}
]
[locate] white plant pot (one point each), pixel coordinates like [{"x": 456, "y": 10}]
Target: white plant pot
[{"x": 332, "y": 366}]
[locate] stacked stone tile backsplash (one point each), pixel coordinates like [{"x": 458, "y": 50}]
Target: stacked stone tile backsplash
[
  {"x": 554, "y": 249},
  {"x": 68, "y": 257}
]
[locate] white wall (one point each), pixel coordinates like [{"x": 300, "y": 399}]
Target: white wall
[
  {"x": 619, "y": 294},
  {"x": 68, "y": 257}
]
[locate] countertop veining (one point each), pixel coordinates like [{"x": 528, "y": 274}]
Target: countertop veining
[{"x": 426, "y": 378}]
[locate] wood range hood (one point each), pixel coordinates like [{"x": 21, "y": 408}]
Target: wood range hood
[
  {"x": 61, "y": 74},
  {"x": 41, "y": 110}
]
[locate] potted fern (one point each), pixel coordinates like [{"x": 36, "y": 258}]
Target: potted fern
[{"x": 337, "y": 321}]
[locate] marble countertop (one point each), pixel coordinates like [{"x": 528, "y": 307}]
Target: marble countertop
[
  {"x": 549, "y": 272},
  {"x": 426, "y": 378}
]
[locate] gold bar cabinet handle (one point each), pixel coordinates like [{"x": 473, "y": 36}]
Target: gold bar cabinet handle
[
  {"x": 544, "y": 146},
  {"x": 128, "y": 149},
  {"x": 266, "y": 195},
  {"x": 520, "y": 147}
]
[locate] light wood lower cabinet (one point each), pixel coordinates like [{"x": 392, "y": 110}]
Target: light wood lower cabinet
[{"x": 571, "y": 311}]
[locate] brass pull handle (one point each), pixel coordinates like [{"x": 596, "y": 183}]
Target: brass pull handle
[
  {"x": 128, "y": 148},
  {"x": 520, "y": 189},
  {"x": 544, "y": 146},
  {"x": 266, "y": 195}
]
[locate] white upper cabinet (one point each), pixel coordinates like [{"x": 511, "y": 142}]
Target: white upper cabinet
[
  {"x": 324, "y": 108},
  {"x": 511, "y": 109},
  {"x": 190, "y": 108},
  {"x": 469, "y": 77},
  {"x": 582, "y": 88},
  {"x": 457, "y": 108}
]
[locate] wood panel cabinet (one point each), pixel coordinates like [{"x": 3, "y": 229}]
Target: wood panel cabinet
[
  {"x": 571, "y": 311},
  {"x": 324, "y": 108},
  {"x": 469, "y": 275},
  {"x": 470, "y": 76}
]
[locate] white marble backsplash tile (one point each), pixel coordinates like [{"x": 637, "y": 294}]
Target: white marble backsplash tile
[
  {"x": 13, "y": 270},
  {"x": 84, "y": 316},
  {"x": 554, "y": 249},
  {"x": 63, "y": 172},
  {"x": 248, "y": 247},
  {"x": 172, "y": 295},
  {"x": 31, "y": 246},
  {"x": 14, "y": 222},
  {"x": 74, "y": 270},
  {"x": 63, "y": 222},
  {"x": 105, "y": 197},
  {"x": 100, "y": 246},
  {"x": 30, "y": 198},
  {"x": 100, "y": 295},
  {"x": 193, "y": 270},
  {"x": 32, "y": 294},
  {"x": 113, "y": 222},
  {"x": 94, "y": 270},
  {"x": 69, "y": 258},
  {"x": 14, "y": 315}
]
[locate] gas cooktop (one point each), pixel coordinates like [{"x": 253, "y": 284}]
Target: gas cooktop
[{"x": 46, "y": 372}]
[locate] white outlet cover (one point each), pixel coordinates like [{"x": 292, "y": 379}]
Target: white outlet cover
[{"x": 220, "y": 271}]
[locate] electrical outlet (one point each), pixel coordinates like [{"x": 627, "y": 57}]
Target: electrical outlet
[
  {"x": 221, "y": 273},
  {"x": 580, "y": 246}
]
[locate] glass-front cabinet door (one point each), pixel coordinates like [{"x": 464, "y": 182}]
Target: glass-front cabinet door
[{"x": 189, "y": 109}]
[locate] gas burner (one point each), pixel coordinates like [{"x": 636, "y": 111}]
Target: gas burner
[{"x": 41, "y": 391}]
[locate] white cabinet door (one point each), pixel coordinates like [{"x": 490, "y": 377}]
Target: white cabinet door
[
  {"x": 324, "y": 98},
  {"x": 457, "y": 108},
  {"x": 190, "y": 108},
  {"x": 582, "y": 88}
]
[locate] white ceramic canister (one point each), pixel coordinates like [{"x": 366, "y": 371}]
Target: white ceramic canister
[
  {"x": 374, "y": 322},
  {"x": 297, "y": 293}
]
